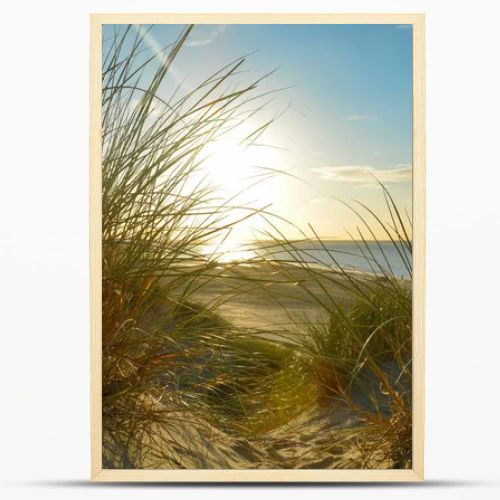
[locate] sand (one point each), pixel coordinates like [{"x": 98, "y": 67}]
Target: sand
[
  {"x": 267, "y": 297},
  {"x": 270, "y": 296},
  {"x": 306, "y": 442}
]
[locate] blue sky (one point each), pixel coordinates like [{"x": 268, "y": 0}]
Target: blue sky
[{"x": 348, "y": 101}]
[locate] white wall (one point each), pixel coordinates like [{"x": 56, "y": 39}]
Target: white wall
[{"x": 44, "y": 447}]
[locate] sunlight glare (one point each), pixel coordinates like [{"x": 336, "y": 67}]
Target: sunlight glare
[{"x": 248, "y": 176}]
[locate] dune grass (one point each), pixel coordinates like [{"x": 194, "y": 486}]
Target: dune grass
[
  {"x": 183, "y": 387},
  {"x": 361, "y": 356},
  {"x": 157, "y": 212}
]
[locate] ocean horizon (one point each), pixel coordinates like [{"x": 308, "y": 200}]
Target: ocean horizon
[{"x": 374, "y": 257}]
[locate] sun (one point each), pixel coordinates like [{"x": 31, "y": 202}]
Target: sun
[
  {"x": 246, "y": 175},
  {"x": 234, "y": 165}
]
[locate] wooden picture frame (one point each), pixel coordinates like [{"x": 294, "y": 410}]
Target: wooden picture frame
[{"x": 237, "y": 475}]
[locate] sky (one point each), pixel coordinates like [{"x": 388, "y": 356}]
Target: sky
[{"x": 345, "y": 116}]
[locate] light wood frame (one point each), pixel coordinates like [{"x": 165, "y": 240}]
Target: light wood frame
[{"x": 237, "y": 475}]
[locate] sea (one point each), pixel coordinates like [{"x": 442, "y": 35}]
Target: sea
[{"x": 382, "y": 257}]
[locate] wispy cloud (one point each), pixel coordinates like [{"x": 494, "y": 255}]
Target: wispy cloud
[
  {"x": 355, "y": 118},
  {"x": 205, "y": 37},
  {"x": 159, "y": 52},
  {"x": 364, "y": 173}
]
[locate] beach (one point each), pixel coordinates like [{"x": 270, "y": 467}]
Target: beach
[
  {"x": 262, "y": 297},
  {"x": 273, "y": 296}
]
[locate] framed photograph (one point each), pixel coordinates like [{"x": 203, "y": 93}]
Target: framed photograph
[{"x": 257, "y": 247}]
